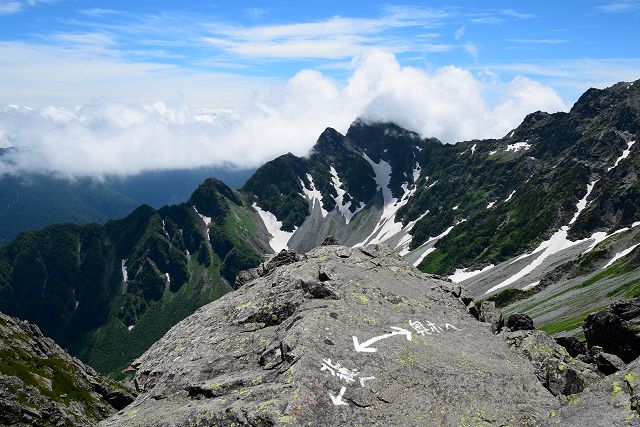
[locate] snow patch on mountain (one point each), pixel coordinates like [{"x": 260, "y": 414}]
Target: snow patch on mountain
[
  {"x": 473, "y": 149},
  {"x": 313, "y": 195},
  {"x": 524, "y": 145},
  {"x": 165, "y": 231},
  {"x": 462, "y": 274},
  {"x": 621, "y": 255},
  {"x": 556, "y": 243},
  {"x": 531, "y": 285},
  {"x": 279, "y": 237},
  {"x": 601, "y": 236},
  {"x": 510, "y": 196},
  {"x": 206, "y": 219},
  {"x": 340, "y": 204},
  {"x": 490, "y": 205},
  {"x": 416, "y": 172},
  {"x": 387, "y": 225},
  {"x": 125, "y": 273},
  {"x": 431, "y": 240},
  {"x": 624, "y": 155},
  {"x": 405, "y": 241}
]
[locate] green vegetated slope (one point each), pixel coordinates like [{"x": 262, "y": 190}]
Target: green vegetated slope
[
  {"x": 68, "y": 279},
  {"x": 542, "y": 183}
]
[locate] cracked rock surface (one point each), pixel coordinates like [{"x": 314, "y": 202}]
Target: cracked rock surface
[{"x": 338, "y": 336}]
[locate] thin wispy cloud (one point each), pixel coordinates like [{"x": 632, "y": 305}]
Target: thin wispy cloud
[
  {"x": 538, "y": 41},
  {"x": 99, "y": 12},
  {"x": 620, "y": 6},
  {"x": 10, "y": 7}
]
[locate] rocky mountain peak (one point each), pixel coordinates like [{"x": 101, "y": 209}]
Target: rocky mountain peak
[{"x": 210, "y": 198}]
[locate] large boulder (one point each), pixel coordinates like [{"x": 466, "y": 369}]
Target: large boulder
[
  {"x": 560, "y": 373},
  {"x": 616, "y": 329},
  {"x": 42, "y": 385},
  {"x": 520, "y": 322},
  {"x": 372, "y": 342}
]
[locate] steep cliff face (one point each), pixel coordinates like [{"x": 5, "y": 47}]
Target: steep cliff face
[
  {"x": 338, "y": 336},
  {"x": 41, "y": 385}
]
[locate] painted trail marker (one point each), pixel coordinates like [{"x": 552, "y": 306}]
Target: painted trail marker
[
  {"x": 337, "y": 400},
  {"x": 336, "y": 370},
  {"x": 365, "y": 346}
]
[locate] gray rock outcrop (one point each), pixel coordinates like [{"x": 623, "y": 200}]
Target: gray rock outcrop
[
  {"x": 560, "y": 373},
  {"x": 520, "y": 322},
  {"x": 339, "y": 337},
  {"x": 614, "y": 401},
  {"x": 41, "y": 385},
  {"x": 489, "y": 313}
]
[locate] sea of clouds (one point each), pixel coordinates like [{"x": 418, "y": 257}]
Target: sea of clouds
[{"x": 104, "y": 138}]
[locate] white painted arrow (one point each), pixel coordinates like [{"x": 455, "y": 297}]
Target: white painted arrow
[
  {"x": 337, "y": 400},
  {"x": 364, "y": 347}
]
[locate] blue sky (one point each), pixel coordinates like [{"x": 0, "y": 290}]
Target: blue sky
[
  {"x": 422, "y": 64},
  {"x": 568, "y": 44}
]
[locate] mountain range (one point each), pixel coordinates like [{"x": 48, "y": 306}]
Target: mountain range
[
  {"x": 543, "y": 221},
  {"x": 30, "y": 201}
]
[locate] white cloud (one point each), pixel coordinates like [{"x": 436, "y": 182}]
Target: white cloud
[
  {"x": 333, "y": 38},
  {"x": 459, "y": 33},
  {"x": 11, "y": 7},
  {"x": 623, "y": 6},
  {"x": 105, "y": 138}
]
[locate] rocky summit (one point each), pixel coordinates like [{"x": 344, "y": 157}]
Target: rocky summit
[
  {"x": 41, "y": 385},
  {"x": 339, "y": 336}
]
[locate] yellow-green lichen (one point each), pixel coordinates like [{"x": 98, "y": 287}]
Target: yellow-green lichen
[
  {"x": 369, "y": 321},
  {"x": 363, "y": 299},
  {"x": 616, "y": 390},
  {"x": 287, "y": 419},
  {"x": 243, "y": 306},
  {"x": 631, "y": 379}
]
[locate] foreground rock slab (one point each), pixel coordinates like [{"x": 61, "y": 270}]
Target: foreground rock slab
[{"x": 340, "y": 337}]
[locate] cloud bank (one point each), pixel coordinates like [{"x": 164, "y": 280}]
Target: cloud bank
[{"x": 109, "y": 138}]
